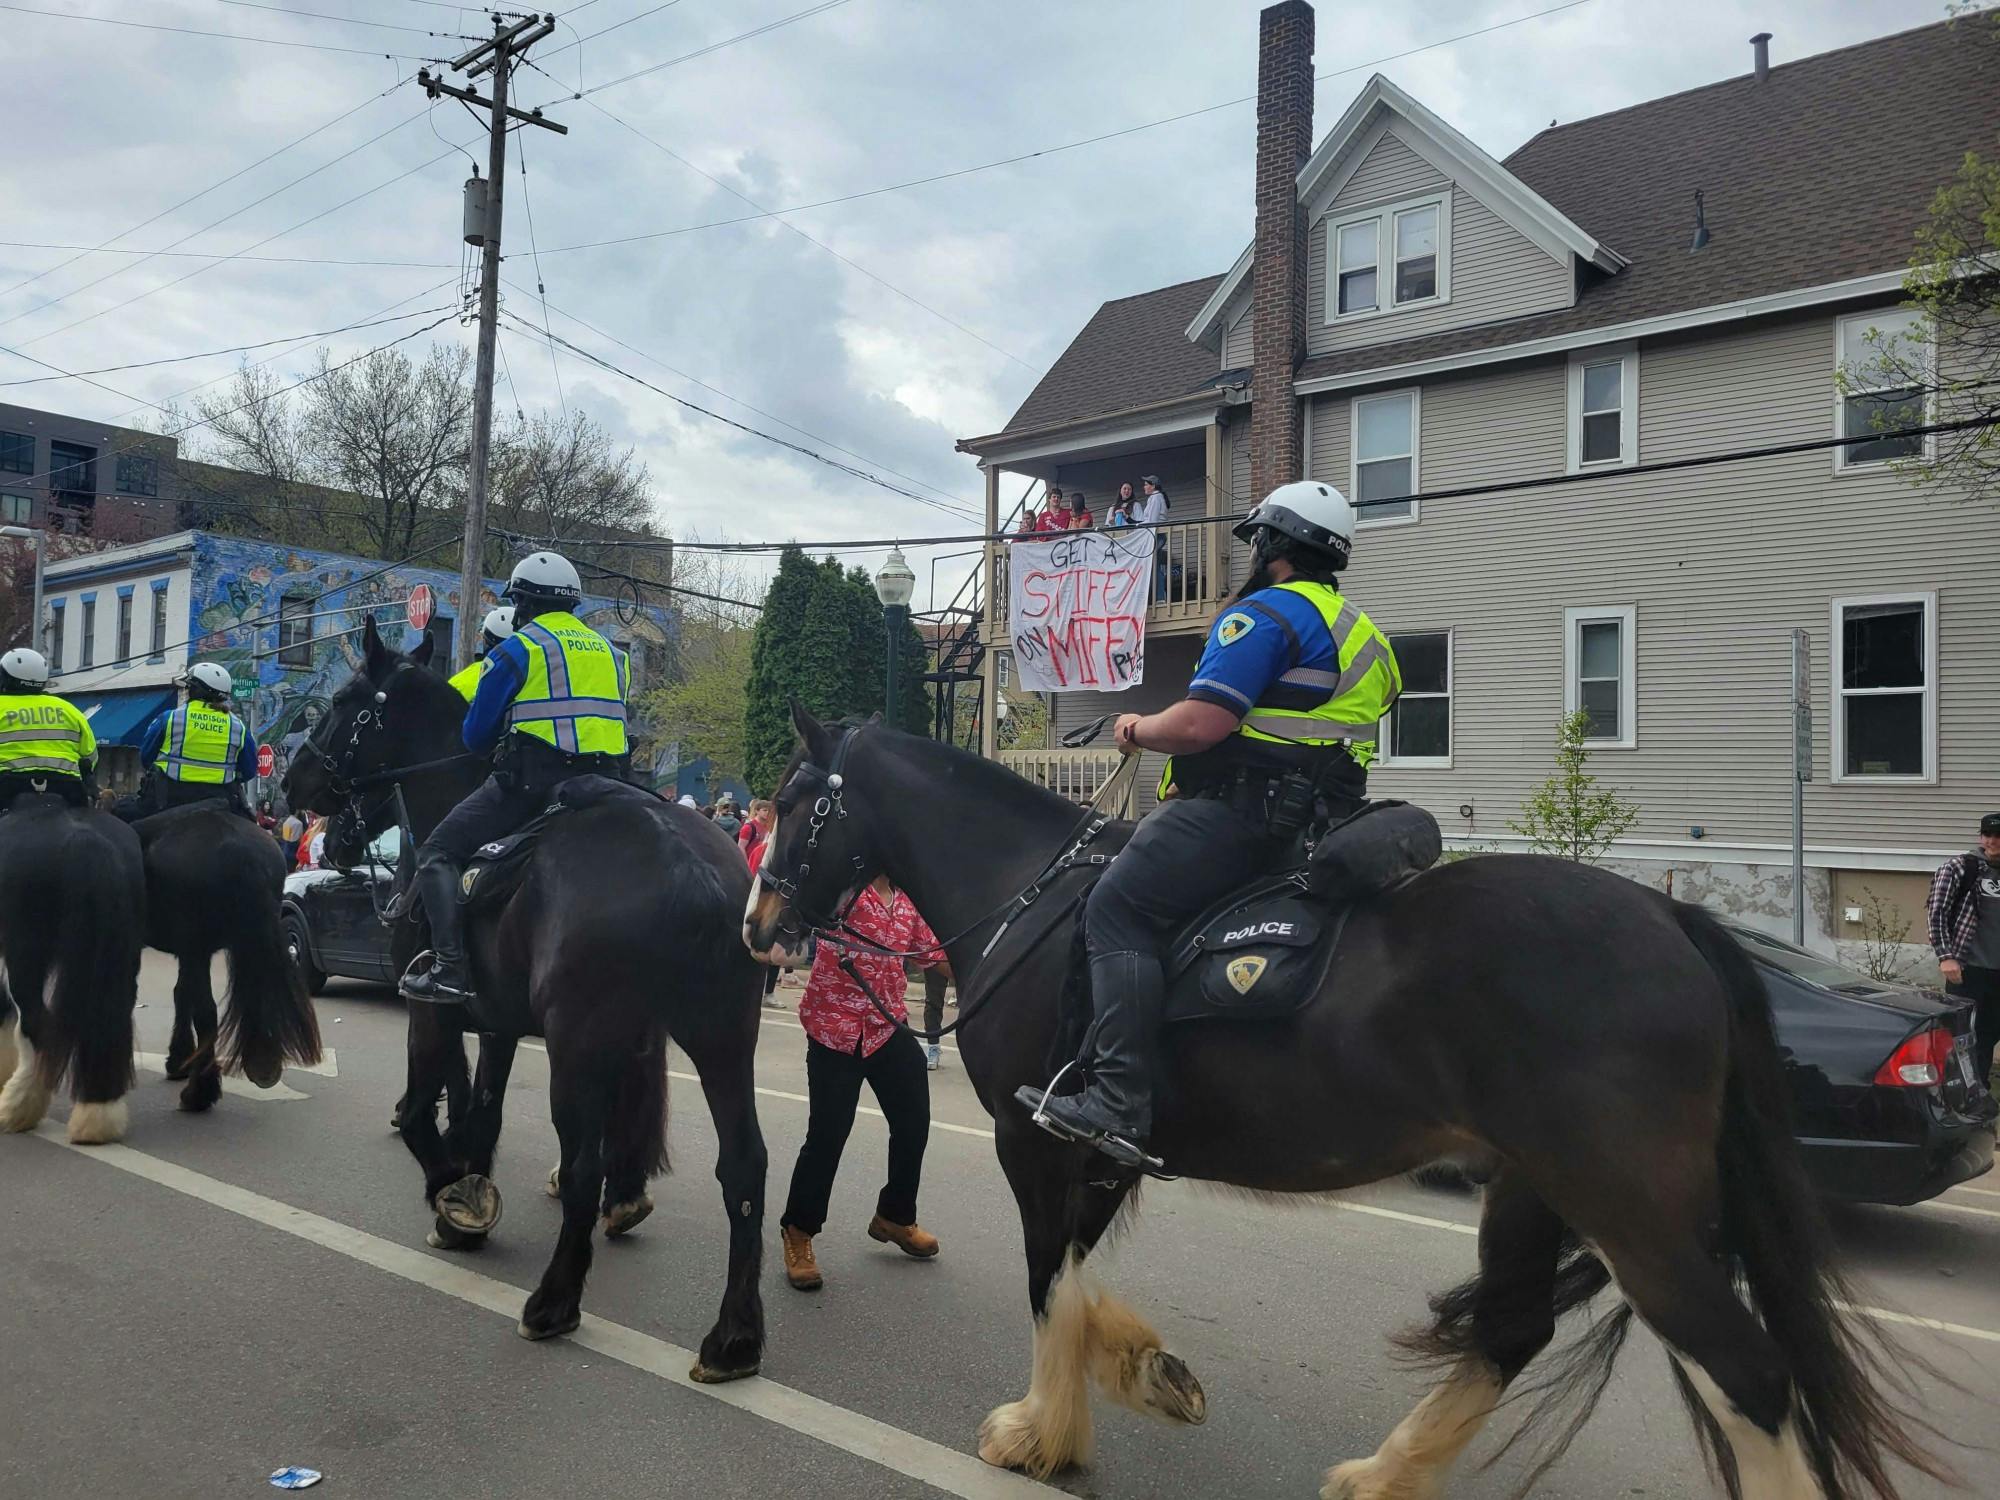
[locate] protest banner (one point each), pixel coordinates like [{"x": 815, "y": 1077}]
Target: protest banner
[{"x": 1076, "y": 610}]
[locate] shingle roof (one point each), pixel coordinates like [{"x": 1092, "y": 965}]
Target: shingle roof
[
  {"x": 1132, "y": 352},
  {"x": 1819, "y": 174}
]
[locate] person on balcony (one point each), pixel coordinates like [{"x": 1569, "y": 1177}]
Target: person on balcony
[{"x": 1078, "y": 517}]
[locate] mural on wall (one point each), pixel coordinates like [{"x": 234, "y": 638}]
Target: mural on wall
[{"x": 298, "y": 662}]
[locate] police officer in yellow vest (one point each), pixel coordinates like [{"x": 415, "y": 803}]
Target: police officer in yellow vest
[
  {"x": 1277, "y": 731},
  {"x": 200, "y": 751},
  {"x": 499, "y": 625},
  {"x": 45, "y": 741},
  {"x": 550, "y": 705}
]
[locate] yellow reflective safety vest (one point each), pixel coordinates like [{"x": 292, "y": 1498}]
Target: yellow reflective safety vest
[
  {"x": 44, "y": 735},
  {"x": 201, "y": 745},
  {"x": 1352, "y": 700},
  {"x": 574, "y": 695},
  {"x": 466, "y": 679}
]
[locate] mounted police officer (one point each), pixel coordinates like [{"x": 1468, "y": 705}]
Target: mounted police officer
[
  {"x": 45, "y": 743},
  {"x": 499, "y": 625},
  {"x": 199, "y": 751},
  {"x": 1276, "y": 733},
  {"x": 550, "y": 704}
]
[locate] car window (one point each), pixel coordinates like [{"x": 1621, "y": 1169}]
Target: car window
[
  {"x": 387, "y": 847},
  {"x": 1810, "y": 967}
]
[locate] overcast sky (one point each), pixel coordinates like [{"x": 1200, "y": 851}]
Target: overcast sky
[{"x": 112, "y": 125}]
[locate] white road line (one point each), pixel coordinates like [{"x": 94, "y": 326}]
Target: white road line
[
  {"x": 1887, "y": 1315},
  {"x": 875, "y": 1442},
  {"x": 1958, "y": 1208},
  {"x": 231, "y": 1084},
  {"x": 1983, "y": 1192},
  {"x": 328, "y": 1065}
]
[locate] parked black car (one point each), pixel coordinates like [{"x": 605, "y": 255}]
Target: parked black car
[
  {"x": 330, "y": 921},
  {"x": 1884, "y": 1099}
]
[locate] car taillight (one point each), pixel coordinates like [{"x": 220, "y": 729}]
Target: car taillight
[{"x": 1920, "y": 1062}]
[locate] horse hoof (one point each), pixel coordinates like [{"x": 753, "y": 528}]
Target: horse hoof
[
  {"x": 1173, "y": 1392},
  {"x": 536, "y": 1328},
  {"x": 264, "y": 1074},
  {"x": 444, "y": 1237},
  {"x": 703, "y": 1374},
  {"x": 1011, "y": 1438},
  {"x": 23, "y": 1101},
  {"x": 622, "y": 1218},
  {"x": 470, "y": 1205},
  {"x": 1366, "y": 1479},
  {"x": 97, "y": 1124},
  {"x": 201, "y": 1092},
  {"x": 177, "y": 1071},
  {"x": 555, "y": 1182}
]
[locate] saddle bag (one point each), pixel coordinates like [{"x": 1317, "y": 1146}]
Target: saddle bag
[
  {"x": 1383, "y": 845},
  {"x": 1263, "y": 956},
  {"x": 496, "y": 869}
]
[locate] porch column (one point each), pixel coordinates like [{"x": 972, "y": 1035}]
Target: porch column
[
  {"x": 996, "y": 612},
  {"x": 1219, "y": 504}
]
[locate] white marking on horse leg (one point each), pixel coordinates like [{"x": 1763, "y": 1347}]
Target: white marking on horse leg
[
  {"x": 1049, "y": 1428},
  {"x": 10, "y": 1054},
  {"x": 25, "y": 1099},
  {"x": 1129, "y": 1364},
  {"x": 1413, "y": 1460},
  {"x": 98, "y": 1124},
  {"x": 1768, "y": 1467}
]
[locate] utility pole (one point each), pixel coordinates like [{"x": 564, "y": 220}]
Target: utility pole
[{"x": 495, "y": 56}]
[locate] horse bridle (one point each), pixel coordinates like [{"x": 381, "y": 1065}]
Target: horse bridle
[
  {"x": 831, "y": 803},
  {"x": 352, "y": 818}
]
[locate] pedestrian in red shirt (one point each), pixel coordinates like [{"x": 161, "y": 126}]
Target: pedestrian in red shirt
[{"x": 848, "y": 1043}]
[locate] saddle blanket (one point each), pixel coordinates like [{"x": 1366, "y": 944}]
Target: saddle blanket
[{"x": 496, "y": 869}]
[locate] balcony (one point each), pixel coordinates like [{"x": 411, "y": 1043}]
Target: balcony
[
  {"x": 1076, "y": 774},
  {"x": 1190, "y": 578}
]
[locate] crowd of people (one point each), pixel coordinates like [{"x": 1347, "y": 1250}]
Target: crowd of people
[{"x": 1146, "y": 507}]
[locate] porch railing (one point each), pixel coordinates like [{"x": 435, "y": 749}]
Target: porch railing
[
  {"x": 1190, "y": 573},
  {"x": 1076, "y": 774}
]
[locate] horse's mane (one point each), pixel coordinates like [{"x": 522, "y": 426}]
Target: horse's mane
[{"x": 963, "y": 766}]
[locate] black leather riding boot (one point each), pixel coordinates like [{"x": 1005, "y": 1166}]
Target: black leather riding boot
[
  {"x": 446, "y": 982},
  {"x": 1116, "y": 1112}
]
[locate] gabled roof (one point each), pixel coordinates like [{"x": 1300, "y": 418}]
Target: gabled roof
[
  {"x": 1130, "y": 354},
  {"x": 1447, "y": 150}
]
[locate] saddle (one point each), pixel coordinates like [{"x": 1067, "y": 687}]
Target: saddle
[
  {"x": 496, "y": 870},
  {"x": 1263, "y": 952}
]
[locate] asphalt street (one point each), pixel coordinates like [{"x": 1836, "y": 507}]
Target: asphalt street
[{"x": 226, "y": 1294}]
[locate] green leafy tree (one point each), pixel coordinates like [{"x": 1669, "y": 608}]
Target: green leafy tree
[
  {"x": 703, "y": 708},
  {"x": 1570, "y": 815}
]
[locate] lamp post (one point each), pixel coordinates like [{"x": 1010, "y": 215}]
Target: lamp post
[
  {"x": 893, "y": 586},
  {"x": 29, "y": 534}
]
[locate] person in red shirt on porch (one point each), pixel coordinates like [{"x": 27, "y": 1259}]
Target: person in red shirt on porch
[{"x": 848, "y": 1043}]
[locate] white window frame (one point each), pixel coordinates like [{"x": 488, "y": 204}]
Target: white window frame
[
  {"x": 1416, "y": 395},
  {"x": 1862, "y": 322},
  {"x": 1838, "y": 695},
  {"x": 1391, "y": 761},
  {"x": 1384, "y": 219},
  {"x": 1627, "y": 357},
  {"x": 1626, "y": 616}
]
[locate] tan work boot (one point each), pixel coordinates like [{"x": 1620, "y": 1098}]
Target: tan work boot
[
  {"x": 911, "y": 1239},
  {"x": 801, "y": 1270}
]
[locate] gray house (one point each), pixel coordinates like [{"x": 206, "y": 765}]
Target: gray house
[{"x": 1414, "y": 316}]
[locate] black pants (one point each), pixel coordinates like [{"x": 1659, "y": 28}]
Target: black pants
[
  {"x": 935, "y": 985},
  {"x": 492, "y": 811},
  {"x": 1187, "y": 855},
  {"x": 833, "y": 1081},
  {"x": 1982, "y": 988}
]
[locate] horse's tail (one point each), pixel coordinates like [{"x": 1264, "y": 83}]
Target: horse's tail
[
  {"x": 100, "y": 932},
  {"x": 268, "y": 1019},
  {"x": 1771, "y": 1226}
]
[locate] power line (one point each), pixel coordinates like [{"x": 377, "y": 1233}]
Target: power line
[
  {"x": 1024, "y": 156},
  {"x": 319, "y": 15},
  {"x": 181, "y": 359},
  {"x": 284, "y": 260},
  {"x": 226, "y": 36},
  {"x": 541, "y": 289},
  {"x": 944, "y": 494},
  {"x": 674, "y": 62}
]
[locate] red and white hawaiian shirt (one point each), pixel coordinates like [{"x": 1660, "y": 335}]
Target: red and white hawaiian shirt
[{"x": 834, "y": 1012}]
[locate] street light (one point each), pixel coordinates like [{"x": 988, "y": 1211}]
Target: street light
[
  {"x": 29, "y": 534},
  {"x": 893, "y": 586}
]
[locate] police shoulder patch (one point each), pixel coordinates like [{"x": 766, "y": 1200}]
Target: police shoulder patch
[{"x": 1233, "y": 627}]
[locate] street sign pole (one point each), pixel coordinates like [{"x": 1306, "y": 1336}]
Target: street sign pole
[{"x": 1801, "y": 774}]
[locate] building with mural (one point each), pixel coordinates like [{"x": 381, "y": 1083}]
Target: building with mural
[{"x": 121, "y": 626}]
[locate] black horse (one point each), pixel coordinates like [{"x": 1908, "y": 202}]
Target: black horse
[
  {"x": 1603, "y": 1052},
  {"x": 623, "y": 934},
  {"x": 72, "y": 906},
  {"x": 213, "y": 882}
]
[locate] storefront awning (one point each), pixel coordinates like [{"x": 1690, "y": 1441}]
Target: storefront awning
[{"x": 120, "y": 718}]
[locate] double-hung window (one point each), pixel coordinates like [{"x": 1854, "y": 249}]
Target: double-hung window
[
  {"x": 1389, "y": 258},
  {"x": 1384, "y": 444},
  {"x": 1417, "y": 730},
  {"x": 124, "y": 650},
  {"x": 1885, "y": 687},
  {"x": 17, "y": 453},
  {"x": 1599, "y": 677},
  {"x": 1879, "y": 354},
  {"x": 159, "y": 635},
  {"x": 1604, "y": 408},
  {"x": 87, "y": 634},
  {"x": 15, "y": 509},
  {"x": 295, "y": 632}
]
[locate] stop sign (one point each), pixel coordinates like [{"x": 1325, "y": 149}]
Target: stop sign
[
  {"x": 267, "y": 760},
  {"x": 421, "y": 606}
]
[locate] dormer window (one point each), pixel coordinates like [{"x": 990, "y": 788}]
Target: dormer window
[{"x": 1389, "y": 259}]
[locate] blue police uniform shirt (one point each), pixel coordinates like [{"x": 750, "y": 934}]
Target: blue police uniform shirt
[
  {"x": 1249, "y": 649},
  {"x": 156, "y": 736},
  {"x": 505, "y": 675}
]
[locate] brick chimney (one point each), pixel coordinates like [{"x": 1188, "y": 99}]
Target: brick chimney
[{"x": 1278, "y": 278}]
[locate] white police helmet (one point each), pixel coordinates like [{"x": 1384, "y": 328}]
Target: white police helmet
[
  {"x": 499, "y": 622},
  {"x": 544, "y": 575},
  {"x": 26, "y": 666},
  {"x": 213, "y": 680},
  {"x": 1314, "y": 515}
]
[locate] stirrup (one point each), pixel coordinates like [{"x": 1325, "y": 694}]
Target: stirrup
[{"x": 439, "y": 994}]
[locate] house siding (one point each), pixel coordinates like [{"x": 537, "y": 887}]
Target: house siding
[
  {"x": 1720, "y": 564},
  {"x": 1237, "y": 343},
  {"x": 1495, "y": 271}
]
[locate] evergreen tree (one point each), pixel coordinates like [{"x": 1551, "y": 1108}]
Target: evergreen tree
[{"x": 780, "y": 666}]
